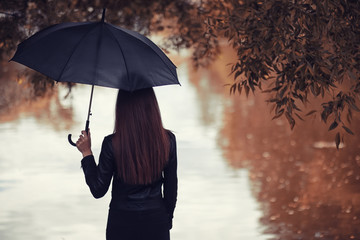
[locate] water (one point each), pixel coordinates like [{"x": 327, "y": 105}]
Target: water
[
  {"x": 43, "y": 194},
  {"x": 241, "y": 174}
]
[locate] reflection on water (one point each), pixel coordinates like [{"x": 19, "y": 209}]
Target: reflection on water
[
  {"x": 306, "y": 188},
  {"x": 17, "y": 99},
  {"x": 242, "y": 175},
  {"x": 43, "y": 194}
]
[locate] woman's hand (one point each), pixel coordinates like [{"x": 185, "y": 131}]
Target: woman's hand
[{"x": 83, "y": 144}]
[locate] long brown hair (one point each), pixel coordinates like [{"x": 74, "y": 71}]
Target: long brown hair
[{"x": 140, "y": 142}]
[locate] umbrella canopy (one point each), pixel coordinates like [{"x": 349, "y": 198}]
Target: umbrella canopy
[{"x": 97, "y": 53}]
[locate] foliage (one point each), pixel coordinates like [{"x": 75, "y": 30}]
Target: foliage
[{"x": 297, "y": 49}]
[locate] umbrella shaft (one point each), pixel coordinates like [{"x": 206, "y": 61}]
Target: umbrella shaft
[
  {"x": 89, "y": 111},
  {"x": 87, "y": 126}
]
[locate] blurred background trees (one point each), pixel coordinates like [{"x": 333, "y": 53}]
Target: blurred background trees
[{"x": 293, "y": 50}]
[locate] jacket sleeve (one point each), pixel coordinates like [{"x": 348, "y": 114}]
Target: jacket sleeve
[
  {"x": 98, "y": 177},
  {"x": 170, "y": 180}
]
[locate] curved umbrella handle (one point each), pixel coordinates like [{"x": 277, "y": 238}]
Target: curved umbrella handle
[
  {"x": 86, "y": 129},
  {"x": 70, "y": 141}
]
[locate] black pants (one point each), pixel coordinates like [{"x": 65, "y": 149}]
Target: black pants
[{"x": 138, "y": 225}]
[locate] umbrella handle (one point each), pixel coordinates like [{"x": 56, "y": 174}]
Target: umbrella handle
[
  {"x": 86, "y": 129},
  {"x": 70, "y": 141}
]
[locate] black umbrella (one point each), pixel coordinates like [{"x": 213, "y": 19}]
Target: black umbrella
[{"x": 97, "y": 53}]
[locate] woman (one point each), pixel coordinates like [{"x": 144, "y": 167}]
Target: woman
[{"x": 140, "y": 157}]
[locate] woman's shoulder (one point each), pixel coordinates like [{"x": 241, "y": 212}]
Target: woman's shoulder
[
  {"x": 109, "y": 137},
  {"x": 172, "y": 140},
  {"x": 171, "y": 135},
  {"x": 107, "y": 142}
]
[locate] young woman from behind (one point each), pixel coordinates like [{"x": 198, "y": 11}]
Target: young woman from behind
[{"x": 140, "y": 157}]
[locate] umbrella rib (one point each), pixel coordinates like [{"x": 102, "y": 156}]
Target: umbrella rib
[
  {"x": 122, "y": 53},
  {"x": 150, "y": 44},
  {"x": 72, "y": 52}
]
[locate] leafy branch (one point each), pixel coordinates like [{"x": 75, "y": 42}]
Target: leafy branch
[{"x": 297, "y": 49}]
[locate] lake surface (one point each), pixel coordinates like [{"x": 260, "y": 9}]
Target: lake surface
[
  {"x": 241, "y": 174},
  {"x": 43, "y": 194}
]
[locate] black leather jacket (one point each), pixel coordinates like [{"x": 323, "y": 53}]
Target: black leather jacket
[{"x": 127, "y": 196}]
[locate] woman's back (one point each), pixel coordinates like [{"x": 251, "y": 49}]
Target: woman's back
[{"x": 140, "y": 157}]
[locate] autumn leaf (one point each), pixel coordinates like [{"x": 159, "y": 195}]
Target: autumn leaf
[
  {"x": 311, "y": 112},
  {"x": 337, "y": 140},
  {"x": 348, "y": 130},
  {"x": 333, "y": 125}
]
